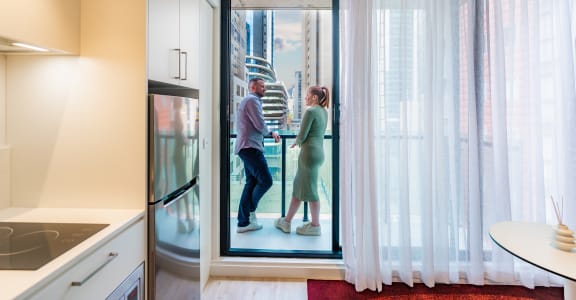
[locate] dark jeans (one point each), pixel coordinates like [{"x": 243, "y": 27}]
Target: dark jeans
[{"x": 258, "y": 181}]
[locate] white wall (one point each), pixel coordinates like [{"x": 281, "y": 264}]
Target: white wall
[
  {"x": 4, "y": 150},
  {"x": 77, "y": 125},
  {"x": 206, "y": 66}
]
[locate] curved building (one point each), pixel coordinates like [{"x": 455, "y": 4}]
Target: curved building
[{"x": 275, "y": 100}]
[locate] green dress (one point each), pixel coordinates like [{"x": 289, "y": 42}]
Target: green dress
[{"x": 311, "y": 141}]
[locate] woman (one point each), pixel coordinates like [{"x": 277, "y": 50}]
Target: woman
[{"x": 311, "y": 141}]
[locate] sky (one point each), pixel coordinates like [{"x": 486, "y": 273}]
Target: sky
[{"x": 288, "y": 45}]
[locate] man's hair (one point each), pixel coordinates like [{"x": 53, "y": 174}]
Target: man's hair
[{"x": 254, "y": 79}]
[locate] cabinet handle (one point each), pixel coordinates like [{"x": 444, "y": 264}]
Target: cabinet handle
[
  {"x": 179, "y": 68},
  {"x": 185, "y": 53},
  {"x": 111, "y": 257}
]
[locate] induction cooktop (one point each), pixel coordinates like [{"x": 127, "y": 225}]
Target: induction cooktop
[{"x": 29, "y": 246}]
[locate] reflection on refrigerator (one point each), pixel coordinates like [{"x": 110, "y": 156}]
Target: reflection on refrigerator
[{"x": 173, "y": 192}]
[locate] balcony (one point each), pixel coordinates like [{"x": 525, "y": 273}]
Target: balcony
[{"x": 282, "y": 163}]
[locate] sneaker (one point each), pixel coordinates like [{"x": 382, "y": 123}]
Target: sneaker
[
  {"x": 308, "y": 229},
  {"x": 281, "y": 224},
  {"x": 253, "y": 219},
  {"x": 250, "y": 227}
]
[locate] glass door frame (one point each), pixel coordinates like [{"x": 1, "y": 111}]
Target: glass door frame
[{"x": 225, "y": 133}]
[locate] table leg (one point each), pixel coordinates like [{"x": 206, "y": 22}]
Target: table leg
[{"x": 569, "y": 289}]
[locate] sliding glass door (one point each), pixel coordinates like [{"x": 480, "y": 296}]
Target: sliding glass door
[{"x": 291, "y": 45}]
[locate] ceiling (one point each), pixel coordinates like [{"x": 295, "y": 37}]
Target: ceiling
[{"x": 281, "y": 4}]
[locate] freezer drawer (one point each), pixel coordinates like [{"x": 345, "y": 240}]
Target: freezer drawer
[{"x": 174, "y": 257}]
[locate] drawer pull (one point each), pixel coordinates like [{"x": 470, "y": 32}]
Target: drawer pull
[{"x": 111, "y": 256}]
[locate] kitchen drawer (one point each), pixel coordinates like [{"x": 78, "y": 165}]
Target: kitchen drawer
[{"x": 107, "y": 271}]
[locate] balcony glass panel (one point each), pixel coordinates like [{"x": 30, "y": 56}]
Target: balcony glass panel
[{"x": 282, "y": 163}]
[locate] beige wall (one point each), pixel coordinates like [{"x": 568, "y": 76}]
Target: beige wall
[
  {"x": 4, "y": 177},
  {"x": 52, "y": 24},
  {"x": 2, "y": 100},
  {"x": 4, "y": 151},
  {"x": 77, "y": 125}
]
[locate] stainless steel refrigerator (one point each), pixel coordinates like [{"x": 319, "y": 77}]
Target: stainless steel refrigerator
[{"x": 173, "y": 191}]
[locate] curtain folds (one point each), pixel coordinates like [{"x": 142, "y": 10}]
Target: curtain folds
[{"x": 455, "y": 115}]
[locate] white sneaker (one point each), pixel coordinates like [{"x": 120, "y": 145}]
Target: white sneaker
[
  {"x": 250, "y": 227},
  {"x": 281, "y": 224},
  {"x": 308, "y": 229},
  {"x": 253, "y": 219}
]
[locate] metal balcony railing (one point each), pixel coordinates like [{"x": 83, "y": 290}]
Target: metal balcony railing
[{"x": 277, "y": 162}]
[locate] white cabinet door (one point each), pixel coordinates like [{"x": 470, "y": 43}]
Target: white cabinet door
[
  {"x": 189, "y": 42},
  {"x": 163, "y": 40},
  {"x": 100, "y": 272}
]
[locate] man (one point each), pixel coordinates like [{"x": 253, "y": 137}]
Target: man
[{"x": 251, "y": 130}]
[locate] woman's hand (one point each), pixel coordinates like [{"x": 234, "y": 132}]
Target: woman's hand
[
  {"x": 293, "y": 145},
  {"x": 276, "y": 136}
]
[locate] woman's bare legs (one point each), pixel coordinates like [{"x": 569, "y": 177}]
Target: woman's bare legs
[
  {"x": 294, "y": 205},
  {"x": 312, "y": 228},
  {"x": 315, "y": 212}
]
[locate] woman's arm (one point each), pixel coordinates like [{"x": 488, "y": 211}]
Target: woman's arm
[{"x": 305, "y": 126}]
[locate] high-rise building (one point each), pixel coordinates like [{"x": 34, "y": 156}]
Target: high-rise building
[
  {"x": 399, "y": 71},
  {"x": 317, "y": 48},
  {"x": 259, "y": 61},
  {"x": 317, "y": 40},
  {"x": 298, "y": 97},
  {"x": 238, "y": 85},
  {"x": 275, "y": 100},
  {"x": 260, "y": 34}
]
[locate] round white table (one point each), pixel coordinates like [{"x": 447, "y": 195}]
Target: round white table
[{"x": 531, "y": 242}]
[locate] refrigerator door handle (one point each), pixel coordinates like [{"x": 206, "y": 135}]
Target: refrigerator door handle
[
  {"x": 174, "y": 199},
  {"x": 177, "y": 197}
]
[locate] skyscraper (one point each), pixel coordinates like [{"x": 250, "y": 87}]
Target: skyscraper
[
  {"x": 259, "y": 63},
  {"x": 260, "y": 37},
  {"x": 238, "y": 44},
  {"x": 298, "y": 109},
  {"x": 317, "y": 47},
  {"x": 317, "y": 39}
]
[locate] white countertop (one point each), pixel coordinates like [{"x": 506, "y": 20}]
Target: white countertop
[{"x": 17, "y": 284}]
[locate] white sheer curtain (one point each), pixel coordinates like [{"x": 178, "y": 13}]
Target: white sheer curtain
[{"x": 455, "y": 115}]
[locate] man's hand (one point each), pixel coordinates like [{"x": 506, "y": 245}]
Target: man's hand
[{"x": 275, "y": 136}]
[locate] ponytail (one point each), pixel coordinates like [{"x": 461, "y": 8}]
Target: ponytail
[{"x": 323, "y": 95}]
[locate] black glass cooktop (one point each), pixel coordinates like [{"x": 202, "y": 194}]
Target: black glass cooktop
[{"x": 29, "y": 246}]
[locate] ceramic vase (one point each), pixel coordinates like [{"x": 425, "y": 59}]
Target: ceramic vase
[{"x": 563, "y": 238}]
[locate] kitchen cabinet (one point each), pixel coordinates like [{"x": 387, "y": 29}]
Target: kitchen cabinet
[
  {"x": 100, "y": 272},
  {"x": 173, "y": 33},
  {"x": 51, "y": 24}
]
